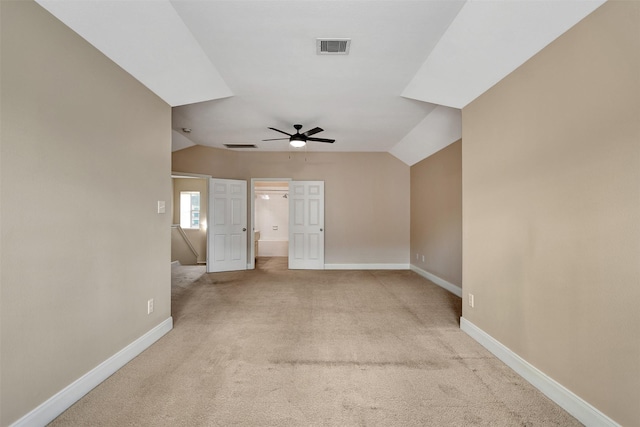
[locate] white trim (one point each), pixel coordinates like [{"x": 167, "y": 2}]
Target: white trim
[
  {"x": 61, "y": 401},
  {"x": 565, "y": 398},
  {"x": 174, "y": 263},
  {"x": 189, "y": 175},
  {"x": 456, "y": 290},
  {"x": 366, "y": 266}
]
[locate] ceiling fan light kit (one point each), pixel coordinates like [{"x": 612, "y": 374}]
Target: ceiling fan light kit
[{"x": 297, "y": 143}]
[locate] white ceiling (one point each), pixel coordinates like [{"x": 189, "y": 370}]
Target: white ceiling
[{"x": 234, "y": 68}]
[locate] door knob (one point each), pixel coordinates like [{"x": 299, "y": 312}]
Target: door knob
[
  {"x": 244, "y": 229},
  {"x": 321, "y": 229}
]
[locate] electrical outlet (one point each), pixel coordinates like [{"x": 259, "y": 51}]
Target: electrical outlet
[
  {"x": 471, "y": 301},
  {"x": 150, "y": 306},
  {"x": 422, "y": 258}
]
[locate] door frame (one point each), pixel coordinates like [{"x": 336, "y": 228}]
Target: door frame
[
  {"x": 206, "y": 178},
  {"x": 251, "y": 261}
]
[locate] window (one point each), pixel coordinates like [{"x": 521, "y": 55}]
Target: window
[{"x": 190, "y": 209}]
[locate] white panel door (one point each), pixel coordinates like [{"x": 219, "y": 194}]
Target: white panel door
[
  {"x": 227, "y": 237},
  {"x": 306, "y": 225}
]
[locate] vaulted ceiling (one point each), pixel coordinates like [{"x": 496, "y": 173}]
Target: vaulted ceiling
[{"x": 231, "y": 69}]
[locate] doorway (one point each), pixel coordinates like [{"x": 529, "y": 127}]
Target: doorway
[
  {"x": 189, "y": 218},
  {"x": 270, "y": 221}
]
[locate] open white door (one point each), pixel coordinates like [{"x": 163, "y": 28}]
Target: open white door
[
  {"x": 306, "y": 225},
  {"x": 227, "y": 237}
]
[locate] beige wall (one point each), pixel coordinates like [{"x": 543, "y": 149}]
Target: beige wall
[
  {"x": 181, "y": 250},
  {"x": 551, "y": 210},
  {"x": 436, "y": 214},
  {"x": 198, "y": 238},
  {"x": 366, "y": 195},
  {"x": 85, "y": 156}
]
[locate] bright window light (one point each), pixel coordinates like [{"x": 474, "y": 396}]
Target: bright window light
[{"x": 190, "y": 209}]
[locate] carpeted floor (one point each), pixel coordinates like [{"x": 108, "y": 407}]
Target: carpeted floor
[{"x": 273, "y": 347}]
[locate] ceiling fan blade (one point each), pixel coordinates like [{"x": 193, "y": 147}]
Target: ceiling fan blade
[
  {"x": 321, "y": 140},
  {"x": 276, "y": 139},
  {"x": 278, "y": 130},
  {"x": 313, "y": 131}
]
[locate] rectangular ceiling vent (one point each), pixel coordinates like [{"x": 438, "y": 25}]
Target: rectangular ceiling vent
[
  {"x": 240, "y": 145},
  {"x": 333, "y": 46}
]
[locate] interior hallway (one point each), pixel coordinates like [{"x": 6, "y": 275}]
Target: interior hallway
[{"x": 279, "y": 347}]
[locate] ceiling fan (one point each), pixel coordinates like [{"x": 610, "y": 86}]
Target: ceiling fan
[{"x": 300, "y": 139}]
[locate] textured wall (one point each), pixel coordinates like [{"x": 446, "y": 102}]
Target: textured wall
[
  {"x": 85, "y": 157},
  {"x": 436, "y": 214},
  {"x": 551, "y": 210},
  {"x": 366, "y": 195}
]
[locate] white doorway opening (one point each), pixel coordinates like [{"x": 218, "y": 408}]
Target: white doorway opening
[{"x": 269, "y": 218}]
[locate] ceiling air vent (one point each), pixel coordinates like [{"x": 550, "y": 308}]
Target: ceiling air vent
[
  {"x": 240, "y": 145},
  {"x": 333, "y": 46}
]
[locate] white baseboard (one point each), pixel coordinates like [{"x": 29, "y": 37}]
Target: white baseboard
[
  {"x": 456, "y": 290},
  {"x": 61, "y": 401},
  {"x": 566, "y": 399},
  {"x": 366, "y": 266}
]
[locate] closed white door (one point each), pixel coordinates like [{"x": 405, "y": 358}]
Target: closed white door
[
  {"x": 306, "y": 225},
  {"x": 227, "y": 237}
]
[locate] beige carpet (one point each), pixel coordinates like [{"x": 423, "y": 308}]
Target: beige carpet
[{"x": 273, "y": 347}]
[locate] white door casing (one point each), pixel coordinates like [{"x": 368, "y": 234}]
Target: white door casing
[
  {"x": 227, "y": 237},
  {"x": 306, "y": 225}
]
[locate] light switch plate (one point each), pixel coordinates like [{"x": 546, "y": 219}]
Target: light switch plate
[{"x": 161, "y": 206}]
